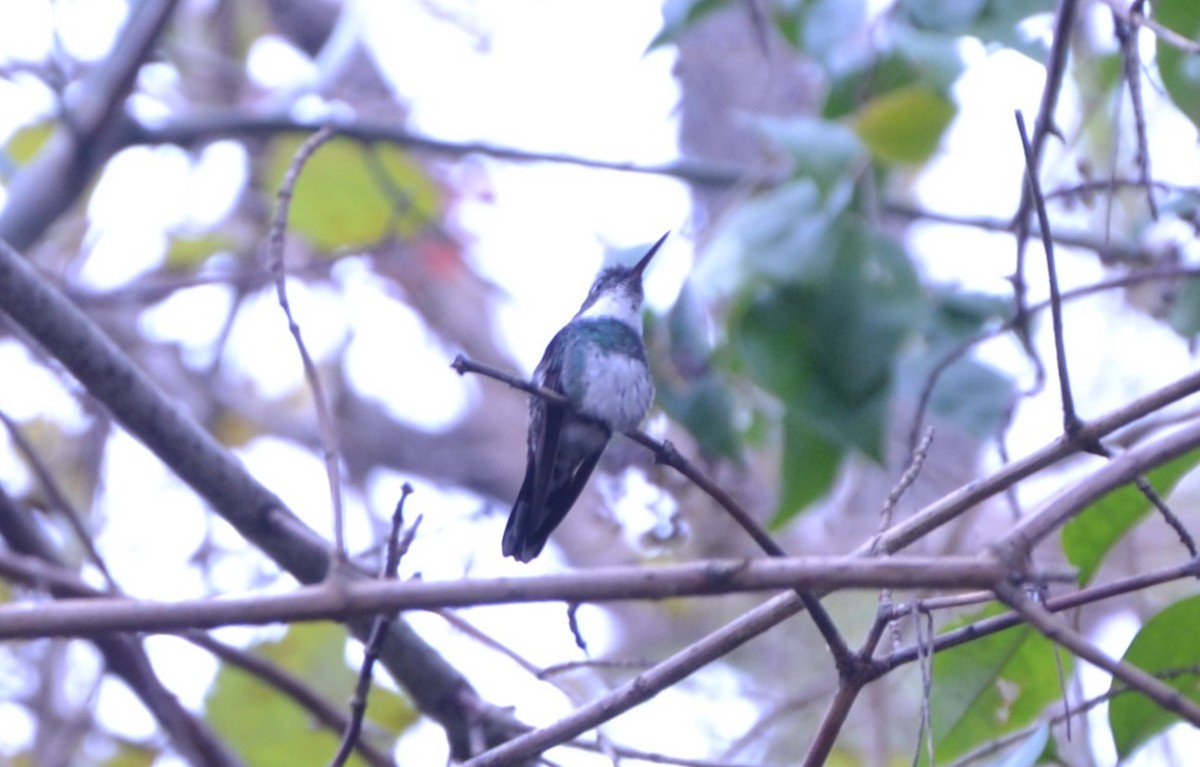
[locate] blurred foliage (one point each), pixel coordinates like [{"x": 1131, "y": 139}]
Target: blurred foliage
[
  {"x": 23, "y": 145},
  {"x": 823, "y": 329},
  {"x": 1178, "y": 69},
  {"x": 1164, "y": 647},
  {"x": 827, "y": 314},
  {"x": 1088, "y": 538},
  {"x": 266, "y": 728},
  {"x": 349, "y": 196},
  {"x": 995, "y": 684}
]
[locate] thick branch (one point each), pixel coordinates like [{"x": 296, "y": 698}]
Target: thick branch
[
  {"x": 89, "y": 135},
  {"x": 1121, "y": 470},
  {"x": 339, "y": 601},
  {"x": 950, "y": 506},
  {"x": 1160, "y": 692},
  {"x": 209, "y": 469},
  {"x": 236, "y": 124}
]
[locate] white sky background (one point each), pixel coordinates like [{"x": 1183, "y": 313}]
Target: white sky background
[{"x": 544, "y": 76}]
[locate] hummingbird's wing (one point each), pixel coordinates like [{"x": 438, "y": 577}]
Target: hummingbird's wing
[
  {"x": 546, "y": 422},
  {"x": 556, "y": 472},
  {"x": 526, "y": 531}
]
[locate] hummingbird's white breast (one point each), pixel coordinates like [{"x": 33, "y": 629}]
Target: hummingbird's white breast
[{"x": 618, "y": 389}]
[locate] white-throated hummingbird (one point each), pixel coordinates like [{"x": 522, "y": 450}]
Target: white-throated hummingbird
[{"x": 597, "y": 361}]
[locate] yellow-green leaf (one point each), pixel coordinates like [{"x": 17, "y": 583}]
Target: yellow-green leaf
[
  {"x": 130, "y": 754},
  {"x": 351, "y": 196},
  {"x": 186, "y": 253},
  {"x": 24, "y": 145},
  {"x": 904, "y": 126},
  {"x": 266, "y": 727}
]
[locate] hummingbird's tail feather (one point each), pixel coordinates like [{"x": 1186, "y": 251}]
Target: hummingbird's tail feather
[
  {"x": 518, "y": 541},
  {"x": 529, "y": 527}
]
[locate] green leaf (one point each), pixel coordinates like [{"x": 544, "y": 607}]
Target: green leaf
[
  {"x": 825, "y": 344},
  {"x": 904, "y": 126},
  {"x": 992, "y": 21},
  {"x": 968, "y": 393},
  {"x": 990, "y": 686},
  {"x": 1184, "y": 312},
  {"x": 974, "y": 396},
  {"x": 830, "y": 339},
  {"x": 809, "y": 465},
  {"x": 1180, "y": 71},
  {"x": 942, "y": 15},
  {"x": 936, "y": 58},
  {"x": 772, "y": 238},
  {"x": 1087, "y": 538},
  {"x": 1031, "y": 751},
  {"x": 1165, "y": 644},
  {"x": 186, "y": 253},
  {"x": 25, "y": 144},
  {"x": 680, "y": 16},
  {"x": 265, "y": 727},
  {"x": 689, "y": 388},
  {"x": 349, "y": 196},
  {"x": 705, "y": 408},
  {"x": 824, "y": 30},
  {"x": 823, "y": 151},
  {"x": 130, "y": 754}
]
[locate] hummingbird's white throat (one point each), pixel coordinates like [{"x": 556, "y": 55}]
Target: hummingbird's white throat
[{"x": 620, "y": 305}]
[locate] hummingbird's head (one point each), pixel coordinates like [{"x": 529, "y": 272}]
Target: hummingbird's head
[{"x": 617, "y": 291}]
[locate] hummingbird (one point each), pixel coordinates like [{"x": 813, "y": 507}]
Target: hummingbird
[{"x": 598, "y": 363}]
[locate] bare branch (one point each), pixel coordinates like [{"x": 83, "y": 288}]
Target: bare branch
[
  {"x": 665, "y": 453},
  {"x": 1071, "y": 421},
  {"x": 205, "y": 127},
  {"x": 1044, "y": 125},
  {"x": 396, "y": 548},
  {"x": 343, "y": 600},
  {"x": 1121, "y": 470},
  {"x": 214, "y": 474},
  {"x": 275, "y": 243},
  {"x": 89, "y": 135}
]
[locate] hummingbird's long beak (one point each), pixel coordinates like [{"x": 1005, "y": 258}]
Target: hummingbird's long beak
[{"x": 640, "y": 266}]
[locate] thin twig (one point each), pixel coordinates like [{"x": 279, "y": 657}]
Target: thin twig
[
  {"x": 1172, "y": 520},
  {"x": 573, "y": 625},
  {"x": 396, "y": 549},
  {"x": 1108, "y": 251},
  {"x": 666, "y": 454},
  {"x": 275, "y": 242},
  {"x": 207, "y": 126},
  {"x": 592, "y": 663},
  {"x": 298, "y": 690},
  {"x": 996, "y": 623},
  {"x": 923, "y": 623},
  {"x": 1137, "y": 18},
  {"x": 1071, "y": 421},
  {"x": 961, "y": 350},
  {"x": 1086, "y": 188},
  {"x": 57, "y": 498},
  {"x": 1039, "y": 618},
  {"x": 1056, "y": 65},
  {"x": 915, "y": 462},
  {"x": 1131, "y": 69}
]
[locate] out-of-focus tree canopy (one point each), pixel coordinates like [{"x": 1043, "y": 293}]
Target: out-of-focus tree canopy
[{"x": 942, "y": 303}]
